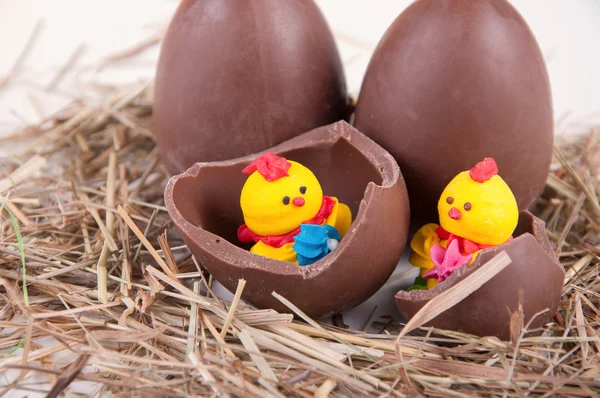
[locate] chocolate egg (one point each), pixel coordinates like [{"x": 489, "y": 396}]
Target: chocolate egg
[
  {"x": 455, "y": 81},
  {"x": 534, "y": 274},
  {"x": 237, "y": 77},
  {"x": 204, "y": 204}
]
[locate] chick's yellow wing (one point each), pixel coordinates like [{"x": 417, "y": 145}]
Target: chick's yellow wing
[
  {"x": 340, "y": 217},
  {"x": 421, "y": 245}
]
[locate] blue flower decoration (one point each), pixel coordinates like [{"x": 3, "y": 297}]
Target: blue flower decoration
[{"x": 313, "y": 242}]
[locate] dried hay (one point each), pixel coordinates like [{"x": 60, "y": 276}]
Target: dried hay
[{"x": 96, "y": 296}]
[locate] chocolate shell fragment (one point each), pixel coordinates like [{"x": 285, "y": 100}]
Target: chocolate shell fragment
[
  {"x": 204, "y": 204},
  {"x": 534, "y": 274}
]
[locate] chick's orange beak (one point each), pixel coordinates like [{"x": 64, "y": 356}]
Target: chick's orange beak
[
  {"x": 454, "y": 213},
  {"x": 299, "y": 202}
]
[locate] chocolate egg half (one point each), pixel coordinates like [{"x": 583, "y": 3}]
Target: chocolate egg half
[
  {"x": 237, "y": 77},
  {"x": 204, "y": 204},
  {"x": 534, "y": 271},
  {"x": 452, "y": 82}
]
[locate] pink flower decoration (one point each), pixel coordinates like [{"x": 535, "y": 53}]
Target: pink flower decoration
[{"x": 446, "y": 261}]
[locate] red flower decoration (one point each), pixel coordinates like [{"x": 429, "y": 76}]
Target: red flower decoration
[
  {"x": 270, "y": 166},
  {"x": 484, "y": 170}
]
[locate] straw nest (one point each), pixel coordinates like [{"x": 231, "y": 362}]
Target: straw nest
[{"x": 99, "y": 294}]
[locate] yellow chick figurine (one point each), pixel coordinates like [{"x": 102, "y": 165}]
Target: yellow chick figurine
[
  {"x": 477, "y": 210},
  {"x": 281, "y": 197}
]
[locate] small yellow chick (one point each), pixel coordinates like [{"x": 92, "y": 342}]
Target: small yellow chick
[
  {"x": 477, "y": 210},
  {"x": 278, "y": 198}
]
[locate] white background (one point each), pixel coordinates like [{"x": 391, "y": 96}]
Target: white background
[{"x": 568, "y": 33}]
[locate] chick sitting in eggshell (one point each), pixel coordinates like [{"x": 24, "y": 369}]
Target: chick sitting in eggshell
[
  {"x": 286, "y": 214},
  {"x": 477, "y": 210}
]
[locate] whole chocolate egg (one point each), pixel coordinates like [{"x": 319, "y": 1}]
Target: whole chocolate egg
[
  {"x": 237, "y": 77},
  {"x": 453, "y": 82}
]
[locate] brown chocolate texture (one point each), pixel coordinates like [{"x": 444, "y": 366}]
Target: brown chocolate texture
[
  {"x": 204, "y": 204},
  {"x": 453, "y": 82},
  {"x": 237, "y": 77},
  {"x": 534, "y": 271}
]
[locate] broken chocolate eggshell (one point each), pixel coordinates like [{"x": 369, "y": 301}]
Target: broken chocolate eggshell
[
  {"x": 534, "y": 274},
  {"x": 204, "y": 204}
]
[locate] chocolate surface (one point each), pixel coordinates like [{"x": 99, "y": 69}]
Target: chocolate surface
[
  {"x": 486, "y": 312},
  {"x": 204, "y": 204},
  {"x": 237, "y": 77},
  {"x": 453, "y": 82}
]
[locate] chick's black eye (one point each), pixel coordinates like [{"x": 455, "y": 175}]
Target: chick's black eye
[
  {"x": 303, "y": 190},
  {"x": 449, "y": 200},
  {"x": 286, "y": 200},
  {"x": 467, "y": 206}
]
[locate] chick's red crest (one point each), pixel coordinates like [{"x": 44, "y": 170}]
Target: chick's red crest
[
  {"x": 484, "y": 170},
  {"x": 270, "y": 166}
]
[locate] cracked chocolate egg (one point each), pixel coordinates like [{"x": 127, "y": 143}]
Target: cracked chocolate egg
[
  {"x": 204, "y": 204},
  {"x": 452, "y": 82},
  {"x": 534, "y": 276},
  {"x": 237, "y": 77}
]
